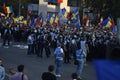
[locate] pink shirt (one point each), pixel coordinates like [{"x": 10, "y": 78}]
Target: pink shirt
[{"x": 18, "y": 76}]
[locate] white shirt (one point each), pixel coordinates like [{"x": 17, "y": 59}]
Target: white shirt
[
  {"x": 83, "y": 45},
  {"x": 59, "y": 53}
]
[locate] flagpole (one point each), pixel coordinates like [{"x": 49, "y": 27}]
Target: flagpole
[{"x": 19, "y": 7}]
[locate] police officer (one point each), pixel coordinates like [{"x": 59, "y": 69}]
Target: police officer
[
  {"x": 6, "y": 38},
  {"x": 30, "y": 42}
]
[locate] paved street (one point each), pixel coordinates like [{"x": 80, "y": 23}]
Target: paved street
[{"x": 35, "y": 66}]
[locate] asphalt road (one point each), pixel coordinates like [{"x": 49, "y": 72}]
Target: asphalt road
[{"x": 35, "y": 66}]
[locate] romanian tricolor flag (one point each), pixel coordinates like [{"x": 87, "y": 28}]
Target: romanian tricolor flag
[
  {"x": 84, "y": 20},
  {"x": 106, "y": 23},
  {"x": 64, "y": 13},
  {"x": 109, "y": 22},
  {"x": 8, "y": 9}
]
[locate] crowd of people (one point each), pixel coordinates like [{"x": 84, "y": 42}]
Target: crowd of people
[{"x": 67, "y": 42}]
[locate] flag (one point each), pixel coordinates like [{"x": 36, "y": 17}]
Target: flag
[
  {"x": 88, "y": 23},
  {"x": 101, "y": 20},
  {"x": 54, "y": 1},
  {"x": 64, "y": 12},
  {"x": 32, "y": 21},
  {"x": 114, "y": 29},
  {"x": 48, "y": 17},
  {"x": 68, "y": 16},
  {"x": 56, "y": 20},
  {"x": 39, "y": 19},
  {"x": 8, "y": 9},
  {"x": 52, "y": 19},
  {"x": 25, "y": 22},
  {"x": 111, "y": 20},
  {"x": 20, "y": 18},
  {"x": 109, "y": 24},
  {"x": 64, "y": 16},
  {"x": 77, "y": 24},
  {"x": 84, "y": 19},
  {"x": 106, "y": 23},
  {"x": 107, "y": 70},
  {"x": 75, "y": 18}
]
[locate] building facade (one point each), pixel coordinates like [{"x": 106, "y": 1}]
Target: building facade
[{"x": 48, "y": 6}]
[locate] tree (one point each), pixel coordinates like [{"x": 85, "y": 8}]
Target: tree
[
  {"x": 15, "y": 4},
  {"x": 105, "y": 7}
]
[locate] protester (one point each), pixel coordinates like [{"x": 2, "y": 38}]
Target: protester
[
  {"x": 80, "y": 55},
  {"x": 95, "y": 40},
  {"x": 19, "y": 75},
  {"x": 50, "y": 74},
  {"x": 6, "y": 37},
  {"x": 2, "y": 71},
  {"x": 30, "y": 41},
  {"x": 66, "y": 51},
  {"x": 59, "y": 55},
  {"x": 84, "y": 47},
  {"x": 12, "y": 73}
]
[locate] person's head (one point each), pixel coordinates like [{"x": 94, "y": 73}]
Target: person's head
[
  {"x": 59, "y": 45},
  {"x": 12, "y": 71},
  {"x": 74, "y": 76},
  {"x": 20, "y": 68},
  {"x": 51, "y": 68}
]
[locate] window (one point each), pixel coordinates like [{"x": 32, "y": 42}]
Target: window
[{"x": 52, "y": 2}]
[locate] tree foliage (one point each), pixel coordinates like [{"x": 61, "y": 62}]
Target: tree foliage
[
  {"x": 105, "y": 7},
  {"x": 15, "y": 4}
]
